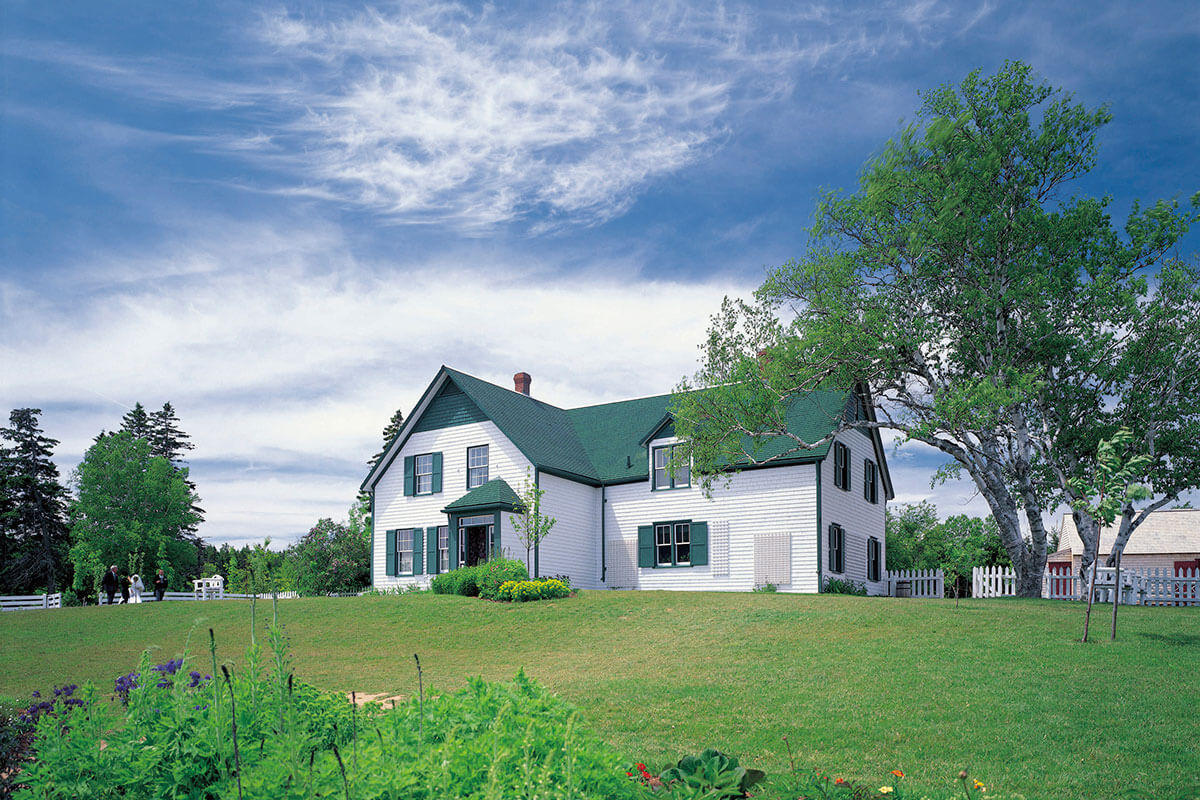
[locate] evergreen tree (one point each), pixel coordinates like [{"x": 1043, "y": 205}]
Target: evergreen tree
[
  {"x": 137, "y": 422},
  {"x": 33, "y": 528},
  {"x": 389, "y": 433},
  {"x": 165, "y": 437}
]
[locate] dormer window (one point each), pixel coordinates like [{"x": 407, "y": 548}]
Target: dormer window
[{"x": 663, "y": 479}]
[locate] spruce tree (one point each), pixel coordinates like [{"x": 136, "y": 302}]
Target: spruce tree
[
  {"x": 33, "y": 510},
  {"x": 165, "y": 437},
  {"x": 389, "y": 432},
  {"x": 137, "y": 422}
]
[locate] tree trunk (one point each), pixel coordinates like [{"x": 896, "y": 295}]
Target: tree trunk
[
  {"x": 1112, "y": 637},
  {"x": 1091, "y": 592}
]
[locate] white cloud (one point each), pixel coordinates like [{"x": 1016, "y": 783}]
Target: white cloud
[{"x": 285, "y": 376}]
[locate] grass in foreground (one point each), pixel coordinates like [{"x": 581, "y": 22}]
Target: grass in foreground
[{"x": 860, "y": 686}]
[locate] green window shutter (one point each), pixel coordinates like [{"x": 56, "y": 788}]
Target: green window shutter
[
  {"x": 409, "y": 480},
  {"x": 453, "y": 544},
  {"x": 699, "y": 554},
  {"x": 431, "y": 550},
  {"x": 645, "y": 545},
  {"x": 418, "y": 552},
  {"x": 389, "y": 565},
  {"x": 437, "y": 481}
]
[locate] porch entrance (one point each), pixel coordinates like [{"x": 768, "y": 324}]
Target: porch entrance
[{"x": 476, "y": 539}]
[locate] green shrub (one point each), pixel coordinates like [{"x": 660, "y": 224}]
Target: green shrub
[
  {"x": 840, "y": 586},
  {"x": 496, "y": 572},
  {"x": 464, "y": 581},
  {"x": 525, "y": 591}
]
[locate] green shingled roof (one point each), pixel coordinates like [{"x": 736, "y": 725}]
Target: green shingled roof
[
  {"x": 493, "y": 494},
  {"x": 604, "y": 443},
  {"x": 607, "y": 443}
]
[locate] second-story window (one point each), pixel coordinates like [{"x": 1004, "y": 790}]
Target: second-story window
[
  {"x": 663, "y": 479},
  {"x": 477, "y": 466},
  {"x": 424, "y": 472}
]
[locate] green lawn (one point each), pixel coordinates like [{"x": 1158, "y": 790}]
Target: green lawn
[{"x": 860, "y": 686}]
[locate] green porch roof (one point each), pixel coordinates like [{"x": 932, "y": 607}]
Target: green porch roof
[{"x": 493, "y": 494}]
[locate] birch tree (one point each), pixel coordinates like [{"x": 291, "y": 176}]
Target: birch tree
[{"x": 957, "y": 287}]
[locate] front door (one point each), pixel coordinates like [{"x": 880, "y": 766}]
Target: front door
[
  {"x": 476, "y": 544},
  {"x": 475, "y": 539}
]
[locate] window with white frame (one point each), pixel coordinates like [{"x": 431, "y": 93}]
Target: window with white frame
[
  {"x": 443, "y": 548},
  {"x": 423, "y": 470},
  {"x": 673, "y": 543},
  {"x": 837, "y": 548},
  {"x": 663, "y": 479},
  {"x": 870, "y": 482},
  {"x": 841, "y": 466},
  {"x": 477, "y": 466},
  {"x": 404, "y": 551}
]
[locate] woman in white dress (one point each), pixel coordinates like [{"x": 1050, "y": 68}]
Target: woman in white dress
[{"x": 135, "y": 588}]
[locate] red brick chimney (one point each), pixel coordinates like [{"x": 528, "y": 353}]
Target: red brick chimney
[{"x": 521, "y": 383}]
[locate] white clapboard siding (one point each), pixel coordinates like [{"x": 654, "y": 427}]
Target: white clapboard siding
[
  {"x": 393, "y": 509},
  {"x": 777, "y": 501},
  {"x": 923, "y": 583}
]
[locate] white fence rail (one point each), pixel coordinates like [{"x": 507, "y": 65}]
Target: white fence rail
[
  {"x": 1139, "y": 586},
  {"x": 925, "y": 583},
  {"x": 20, "y": 602}
]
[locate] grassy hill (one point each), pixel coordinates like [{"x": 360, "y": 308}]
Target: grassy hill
[{"x": 860, "y": 686}]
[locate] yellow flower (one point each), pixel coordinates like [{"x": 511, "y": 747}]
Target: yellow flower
[
  {"x": 885, "y": 790},
  {"x": 980, "y": 786}
]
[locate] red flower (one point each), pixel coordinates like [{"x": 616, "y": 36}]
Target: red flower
[
  {"x": 839, "y": 782},
  {"x": 642, "y": 767},
  {"x": 630, "y": 774},
  {"x": 898, "y": 773}
]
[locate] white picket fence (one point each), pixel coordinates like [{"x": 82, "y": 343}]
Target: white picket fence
[
  {"x": 148, "y": 597},
  {"x": 924, "y": 583},
  {"x": 20, "y": 602},
  {"x": 1139, "y": 586}
]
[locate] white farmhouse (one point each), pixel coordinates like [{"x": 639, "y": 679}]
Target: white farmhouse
[{"x": 444, "y": 491}]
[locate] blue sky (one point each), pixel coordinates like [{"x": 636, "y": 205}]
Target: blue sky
[{"x": 284, "y": 218}]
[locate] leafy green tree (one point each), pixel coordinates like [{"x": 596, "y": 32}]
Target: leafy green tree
[
  {"x": 128, "y": 501},
  {"x": 916, "y": 539},
  {"x": 532, "y": 526},
  {"x": 333, "y": 556},
  {"x": 33, "y": 518},
  {"x": 966, "y": 295},
  {"x": 1138, "y": 393},
  {"x": 907, "y": 526},
  {"x": 1113, "y": 488}
]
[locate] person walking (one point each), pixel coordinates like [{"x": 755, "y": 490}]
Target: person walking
[
  {"x": 124, "y": 590},
  {"x": 136, "y": 587},
  {"x": 160, "y": 586},
  {"x": 111, "y": 583}
]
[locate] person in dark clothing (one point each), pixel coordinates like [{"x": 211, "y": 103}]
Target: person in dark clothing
[
  {"x": 110, "y": 583},
  {"x": 160, "y": 586},
  {"x": 125, "y": 589}
]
